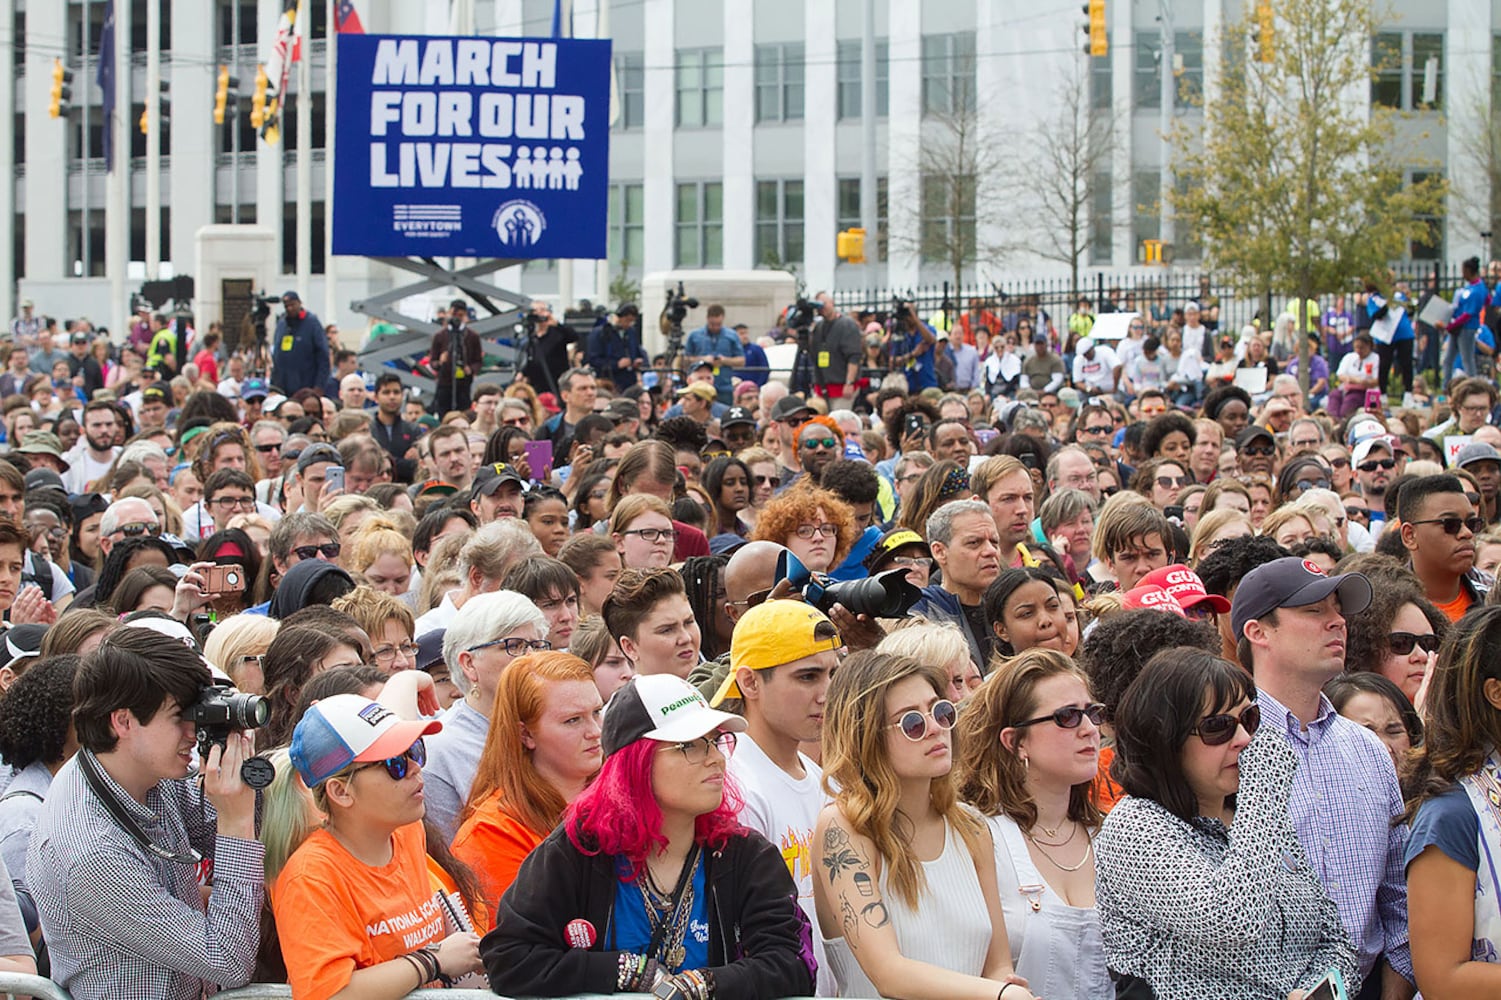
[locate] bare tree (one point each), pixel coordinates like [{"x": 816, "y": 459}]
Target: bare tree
[
  {"x": 1055, "y": 195},
  {"x": 1479, "y": 137}
]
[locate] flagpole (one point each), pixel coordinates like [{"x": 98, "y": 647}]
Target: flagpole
[
  {"x": 117, "y": 212},
  {"x": 602, "y": 267},
  {"x": 330, "y": 76},
  {"x": 563, "y": 25},
  {"x": 153, "y": 112},
  {"x": 304, "y": 155}
]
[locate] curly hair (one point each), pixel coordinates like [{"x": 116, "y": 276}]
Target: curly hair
[
  {"x": 1122, "y": 642},
  {"x": 781, "y": 516},
  {"x": 1366, "y": 642},
  {"x": 683, "y": 434},
  {"x": 498, "y": 447},
  {"x": 36, "y": 712},
  {"x": 822, "y": 421},
  {"x": 1217, "y": 398},
  {"x": 1160, "y": 426}
]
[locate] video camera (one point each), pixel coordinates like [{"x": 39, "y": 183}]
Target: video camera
[
  {"x": 260, "y": 308},
  {"x": 885, "y": 595},
  {"x": 678, "y": 304},
  {"x": 801, "y": 314},
  {"x": 901, "y": 310}
]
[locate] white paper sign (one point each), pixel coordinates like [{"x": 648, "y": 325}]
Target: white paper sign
[
  {"x": 1112, "y": 326},
  {"x": 1437, "y": 312},
  {"x": 1253, "y": 380}
]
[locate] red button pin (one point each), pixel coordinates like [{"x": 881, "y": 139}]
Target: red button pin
[{"x": 579, "y": 933}]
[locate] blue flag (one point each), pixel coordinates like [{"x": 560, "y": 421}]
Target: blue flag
[{"x": 106, "y": 80}]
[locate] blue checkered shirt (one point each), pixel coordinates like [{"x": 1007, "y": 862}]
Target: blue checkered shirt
[{"x": 1344, "y": 799}]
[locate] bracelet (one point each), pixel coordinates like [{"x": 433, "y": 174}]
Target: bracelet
[
  {"x": 430, "y": 961},
  {"x": 438, "y": 973},
  {"x": 1004, "y": 988},
  {"x": 416, "y": 966}
]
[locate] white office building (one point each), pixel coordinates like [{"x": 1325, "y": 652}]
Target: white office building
[{"x": 738, "y": 142}]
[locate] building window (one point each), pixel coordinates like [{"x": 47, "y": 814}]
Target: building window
[
  {"x": 948, "y": 216},
  {"x": 779, "y": 223},
  {"x": 1101, "y": 219},
  {"x": 1431, "y": 248},
  {"x": 1406, "y": 64},
  {"x": 779, "y": 82},
  {"x": 632, "y": 81},
  {"x": 700, "y": 225},
  {"x": 849, "y": 55},
  {"x": 233, "y": 31},
  {"x": 849, "y": 214},
  {"x": 1187, "y": 68},
  {"x": 1101, "y": 85},
  {"x": 948, "y": 73},
  {"x": 1146, "y": 214},
  {"x": 700, "y": 85},
  {"x": 627, "y": 225}
]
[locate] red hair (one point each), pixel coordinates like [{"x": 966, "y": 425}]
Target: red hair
[{"x": 619, "y": 814}]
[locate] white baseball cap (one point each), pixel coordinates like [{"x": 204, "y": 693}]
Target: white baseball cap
[
  {"x": 345, "y": 729},
  {"x": 661, "y": 707}
]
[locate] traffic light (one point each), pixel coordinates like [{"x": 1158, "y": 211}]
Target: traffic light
[
  {"x": 163, "y": 109},
  {"x": 851, "y": 246},
  {"x": 258, "y": 99},
  {"x": 1151, "y": 251},
  {"x": 1266, "y": 28},
  {"x": 227, "y": 94},
  {"x": 62, "y": 89},
  {"x": 1099, "y": 41}
]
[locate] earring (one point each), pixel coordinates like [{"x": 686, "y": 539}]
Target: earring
[{"x": 1026, "y": 764}]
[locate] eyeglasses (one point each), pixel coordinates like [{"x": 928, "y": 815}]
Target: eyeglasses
[
  {"x": 772, "y": 481},
  {"x": 139, "y": 529},
  {"x": 234, "y": 503},
  {"x": 912, "y": 562},
  {"x": 1312, "y": 484},
  {"x": 1069, "y": 716},
  {"x": 1357, "y": 513},
  {"x": 1453, "y": 523},
  {"x": 329, "y": 550},
  {"x": 1401, "y": 643},
  {"x": 809, "y": 530},
  {"x": 1216, "y": 730},
  {"x": 697, "y": 751},
  {"x": 266, "y": 449},
  {"x": 654, "y": 535},
  {"x": 1265, "y": 451},
  {"x": 1168, "y": 482},
  {"x": 1377, "y": 463},
  {"x": 514, "y": 645},
  {"x": 1097, "y": 429},
  {"x": 751, "y": 600},
  {"x": 914, "y": 724},
  {"x": 396, "y": 767},
  {"x": 820, "y": 443},
  {"x": 386, "y": 654}
]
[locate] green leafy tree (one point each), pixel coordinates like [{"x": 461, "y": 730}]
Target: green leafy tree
[{"x": 1293, "y": 185}]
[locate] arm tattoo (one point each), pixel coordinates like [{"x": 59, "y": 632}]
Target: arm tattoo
[
  {"x": 847, "y": 918},
  {"x": 842, "y": 860},
  {"x": 875, "y": 914}
]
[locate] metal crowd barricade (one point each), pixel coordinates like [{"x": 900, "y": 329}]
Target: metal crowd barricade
[{"x": 14, "y": 984}]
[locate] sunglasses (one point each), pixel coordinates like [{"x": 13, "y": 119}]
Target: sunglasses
[
  {"x": 1452, "y": 523},
  {"x": 396, "y": 767},
  {"x": 329, "y": 550},
  {"x": 1265, "y": 451},
  {"x": 137, "y": 530},
  {"x": 820, "y": 443},
  {"x": 1401, "y": 643},
  {"x": 1377, "y": 463},
  {"x": 1168, "y": 482},
  {"x": 752, "y": 600},
  {"x": 772, "y": 481},
  {"x": 1312, "y": 484},
  {"x": 1357, "y": 513},
  {"x": 266, "y": 449},
  {"x": 914, "y": 724},
  {"x": 1340, "y": 463},
  {"x": 1070, "y": 716},
  {"x": 1216, "y": 730}
]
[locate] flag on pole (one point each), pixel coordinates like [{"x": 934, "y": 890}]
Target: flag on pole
[
  {"x": 285, "y": 50},
  {"x": 562, "y": 17},
  {"x": 105, "y": 76},
  {"x": 347, "y": 19}
]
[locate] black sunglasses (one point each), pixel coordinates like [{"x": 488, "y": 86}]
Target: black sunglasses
[
  {"x": 396, "y": 767},
  {"x": 1262, "y": 452},
  {"x": 1312, "y": 484},
  {"x": 1070, "y": 716},
  {"x": 1216, "y": 730},
  {"x": 1401, "y": 643},
  {"x": 1377, "y": 463},
  {"x": 330, "y": 550},
  {"x": 1357, "y": 513},
  {"x": 1453, "y": 523}
]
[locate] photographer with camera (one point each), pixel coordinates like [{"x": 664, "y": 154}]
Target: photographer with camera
[
  {"x": 718, "y": 347},
  {"x": 913, "y": 342},
  {"x": 836, "y": 345},
  {"x": 547, "y": 348},
  {"x": 128, "y": 838},
  {"x": 615, "y": 347},
  {"x": 299, "y": 350},
  {"x": 456, "y": 357}
]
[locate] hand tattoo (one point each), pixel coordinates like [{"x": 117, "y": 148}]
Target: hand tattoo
[{"x": 850, "y": 923}]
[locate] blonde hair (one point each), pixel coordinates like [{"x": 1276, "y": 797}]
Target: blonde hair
[
  {"x": 858, "y": 773},
  {"x": 373, "y": 608},
  {"x": 288, "y": 815},
  {"x": 378, "y": 536},
  {"x": 339, "y": 508},
  {"x": 1298, "y": 508},
  {"x": 442, "y": 571},
  {"x": 939, "y": 643},
  {"x": 237, "y": 637},
  {"x": 1209, "y": 525}
]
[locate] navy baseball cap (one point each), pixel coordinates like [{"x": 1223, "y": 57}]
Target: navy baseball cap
[
  {"x": 430, "y": 649},
  {"x": 1293, "y": 582}
]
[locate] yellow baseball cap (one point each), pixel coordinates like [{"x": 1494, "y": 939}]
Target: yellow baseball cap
[{"x": 773, "y": 633}]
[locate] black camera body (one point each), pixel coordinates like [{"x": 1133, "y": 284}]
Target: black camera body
[
  {"x": 678, "y": 304},
  {"x": 901, "y": 310},
  {"x": 221, "y": 710},
  {"x": 886, "y": 595},
  {"x": 801, "y": 314}
]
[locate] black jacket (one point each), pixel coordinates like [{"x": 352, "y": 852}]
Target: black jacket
[{"x": 759, "y": 939}]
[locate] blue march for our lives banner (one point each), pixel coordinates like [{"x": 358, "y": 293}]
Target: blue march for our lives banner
[{"x": 473, "y": 147}]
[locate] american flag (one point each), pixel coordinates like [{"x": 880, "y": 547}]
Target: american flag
[
  {"x": 348, "y": 19},
  {"x": 285, "y": 50}
]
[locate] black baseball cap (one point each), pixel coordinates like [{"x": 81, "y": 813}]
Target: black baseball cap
[
  {"x": 789, "y": 406},
  {"x": 44, "y": 479},
  {"x": 737, "y": 415},
  {"x": 1294, "y": 582},
  {"x": 1251, "y": 433},
  {"x": 430, "y": 649},
  {"x": 319, "y": 452},
  {"x": 489, "y": 478}
]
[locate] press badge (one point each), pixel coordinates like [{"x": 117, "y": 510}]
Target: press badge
[
  {"x": 286, "y": 342},
  {"x": 823, "y": 359}
]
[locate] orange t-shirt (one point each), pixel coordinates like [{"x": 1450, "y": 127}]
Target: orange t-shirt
[
  {"x": 494, "y": 844},
  {"x": 479, "y": 914},
  {"x": 1455, "y": 609},
  {"x": 1107, "y": 792},
  {"x": 336, "y": 914}
]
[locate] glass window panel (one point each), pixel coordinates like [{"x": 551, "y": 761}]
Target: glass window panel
[
  {"x": 1427, "y": 47},
  {"x": 713, "y": 246},
  {"x": 766, "y": 200},
  {"x": 792, "y": 199},
  {"x": 713, "y": 202},
  {"x": 687, "y": 203}
]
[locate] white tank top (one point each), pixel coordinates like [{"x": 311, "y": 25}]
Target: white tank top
[{"x": 949, "y": 928}]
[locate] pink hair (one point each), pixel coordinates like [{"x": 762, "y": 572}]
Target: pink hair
[{"x": 619, "y": 814}]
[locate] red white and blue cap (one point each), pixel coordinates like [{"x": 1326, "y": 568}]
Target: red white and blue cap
[{"x": 346, "y": 729}]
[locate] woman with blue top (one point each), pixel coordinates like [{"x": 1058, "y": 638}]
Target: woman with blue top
[{"x": 1454, "y": 847}]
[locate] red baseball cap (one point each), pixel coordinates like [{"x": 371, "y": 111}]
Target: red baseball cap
[
  {"x": 1149, "y": 595},
  {"x": 1186, "y": 587}
]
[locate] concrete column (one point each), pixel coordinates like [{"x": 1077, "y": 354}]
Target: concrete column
[
  {"x": 46, "y": 205},
  {"x": 661, "y": 115},
  {"x": 1122, "y": 207},
  {"x": 7, "y": 162},
  {"x": 117, "y": 211},
  {"x": 1467, "y": 106},
  {"x": 269, "y": 194},
  {"x": 904, "y": 139},
  {"x": 739, "y": 140},
  {"x": 820, "y": 115},
  {"x": 195, "y": 77}
]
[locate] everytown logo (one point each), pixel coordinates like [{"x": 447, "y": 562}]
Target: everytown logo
[{"x": 682, "y": 702}]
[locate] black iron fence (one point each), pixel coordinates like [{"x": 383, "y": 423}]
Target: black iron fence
[{"x": 1157, "y": 296}]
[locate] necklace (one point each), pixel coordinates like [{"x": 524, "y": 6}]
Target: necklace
[
  {"x": 1088, "y": 850},
  {"x": 662, "y": 910},
  {"x": 1073, "y": 832}
]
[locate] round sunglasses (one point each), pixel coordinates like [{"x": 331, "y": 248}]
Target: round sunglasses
[
  {"x": 914, "y": 724},
  {"x": 1217, "y": 730}
]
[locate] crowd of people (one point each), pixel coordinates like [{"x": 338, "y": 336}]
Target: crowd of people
[{"x": 1171, "y": 688}]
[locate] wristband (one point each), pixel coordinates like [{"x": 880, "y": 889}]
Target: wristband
[
  {"x": 422, "y": 979},
  {"x": 1004, "y": 988}
]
